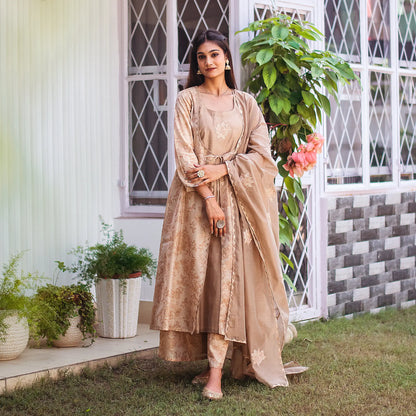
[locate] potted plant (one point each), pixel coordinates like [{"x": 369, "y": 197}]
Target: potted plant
[
  {"x": 14, "y": 308},
  {"x": 116, "y": 268},
  {"x": 64, "y": 315}
]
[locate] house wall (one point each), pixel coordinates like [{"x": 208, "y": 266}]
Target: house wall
[
  {"x": 59, "y": 126},
  {"x": 371, "y": 252},
  {"x": 60, "y": 139}
]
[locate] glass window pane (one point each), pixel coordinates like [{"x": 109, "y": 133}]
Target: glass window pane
[
  {"x": 194, "y": 16},
  {"x": 147, "y": 41},
  {"x": 148, "y": 142},
  {"x": 380, "y": 128},
  {"x": 342, "y": 28},
  {"x": 407, "y": 33},
  {"x": 344, "y": 141},
  {"x": 408, "y": 128},
  {"x": 378, "y": 16}
]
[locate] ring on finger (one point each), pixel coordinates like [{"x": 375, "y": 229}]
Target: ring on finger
[
  {"x": 220, "y": 224},
  {"x": 200, "y": 173}
]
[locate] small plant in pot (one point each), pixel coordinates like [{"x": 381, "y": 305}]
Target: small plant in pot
[
  {"x": 116, "y": 268},
  {"x": 15, "y": 308},
  {"x": 65, "y": 315}
]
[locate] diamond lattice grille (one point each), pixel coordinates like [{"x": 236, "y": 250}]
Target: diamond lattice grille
[
  {"x": 380, "y": 127},
  {"x": 195, "y": 16},
  {"x": 408, "y": 128},
  {"x": 344, "y": 141},
  {"x": 342, "y": 28},
  {"x": 147, "y": 43},
  {"x": 262, "y": 11},
  {"x": 300, "y": 254},
  {"x": 148, "y": 151},
  {"x": 407, "y": 33},
  {"x": 378, "y": 15}
]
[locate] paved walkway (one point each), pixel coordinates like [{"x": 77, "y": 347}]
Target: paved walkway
[{"x": 36, "y": 363}]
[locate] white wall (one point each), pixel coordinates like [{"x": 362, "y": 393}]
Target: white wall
[{"x": 59, "y": 125}]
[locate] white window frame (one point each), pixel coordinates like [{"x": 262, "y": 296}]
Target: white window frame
[
  {"x": 172, "y": 76},
  {"x": 364, "y": 69}
]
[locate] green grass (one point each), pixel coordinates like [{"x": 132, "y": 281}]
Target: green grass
[{"x": 365, "y": 366}]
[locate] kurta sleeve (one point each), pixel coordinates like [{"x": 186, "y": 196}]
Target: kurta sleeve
[{"x": 183, "y": 137}]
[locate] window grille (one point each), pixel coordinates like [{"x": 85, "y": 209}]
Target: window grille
[
  {"x": 150, "y": 73},
  {"x": 374, "y": 124},
  {"x": 407, "y": 33},
  {"x": 407, "y": 128},
  {"x": 302, "y": 301},
  {"x": 342, "y": 28}
]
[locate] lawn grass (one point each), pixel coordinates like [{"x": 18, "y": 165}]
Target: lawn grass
[{"x": 361, "y": 367}]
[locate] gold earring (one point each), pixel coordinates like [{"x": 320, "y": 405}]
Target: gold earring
[
  {"x": 198, "y": 72},
  {"x": 227, "y": 65}
]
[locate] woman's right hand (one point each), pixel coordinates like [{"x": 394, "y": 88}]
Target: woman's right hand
[{"x": 215, "y": 213}]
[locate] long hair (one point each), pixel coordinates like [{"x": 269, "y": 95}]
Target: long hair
[{"x": 210, "y": 35}]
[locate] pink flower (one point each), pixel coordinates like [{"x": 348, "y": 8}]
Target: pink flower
[
  {"x": 316, "y": 141},
  {"x": 299, "y": 157},
  {"x": 305, "y": 158},
  {"x": 293, "y": 167},
  {"x": 310, "y": 159}
]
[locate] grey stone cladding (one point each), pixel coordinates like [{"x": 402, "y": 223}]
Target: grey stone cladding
[{"x": 371, "y": 252}]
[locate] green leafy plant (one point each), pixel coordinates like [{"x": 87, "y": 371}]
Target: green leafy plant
[
  {"x": 289, "y": 79},
  {"x": 14, "y": 285},
  {"x": 54, "y": 305},
  {"x": 111, "y": 259}
]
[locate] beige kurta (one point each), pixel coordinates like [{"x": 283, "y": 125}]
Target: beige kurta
[{"x": 241, "y": 270}]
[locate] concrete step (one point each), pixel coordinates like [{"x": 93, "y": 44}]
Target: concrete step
[{"x": 37, "y": 363}]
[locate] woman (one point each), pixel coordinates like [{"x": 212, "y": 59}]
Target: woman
[{"x": 219, "y": 277}]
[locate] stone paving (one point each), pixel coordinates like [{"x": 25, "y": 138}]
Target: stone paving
[{"x": 36, "y": 363}]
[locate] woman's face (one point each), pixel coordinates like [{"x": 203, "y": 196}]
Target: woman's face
[{"x": 211, "y": 59}]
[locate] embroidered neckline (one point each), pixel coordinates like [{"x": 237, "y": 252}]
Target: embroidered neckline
[{"x": 211, "y": 109}]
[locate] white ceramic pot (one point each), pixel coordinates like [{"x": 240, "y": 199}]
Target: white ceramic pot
[
  {"x": 16, "y": 338},
  {"x": 118, "y": 307},
  {"x": 72, "y": 337},
  {"x": 291, "y": 333}
]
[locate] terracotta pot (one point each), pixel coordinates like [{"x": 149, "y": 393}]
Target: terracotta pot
[
  {"x": 130, "y": 276},
  {"x": 16, "y": 339}
]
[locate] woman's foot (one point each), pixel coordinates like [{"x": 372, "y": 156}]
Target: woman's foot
[
  {"x": 201, "y": 378},
  {"x": 212, "y": 390},
  {"x": 211, "y": 395}
]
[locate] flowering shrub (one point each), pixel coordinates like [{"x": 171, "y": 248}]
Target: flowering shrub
[
  {"x": 288, "y": 79},
  {"x": 305, "y": 158}
]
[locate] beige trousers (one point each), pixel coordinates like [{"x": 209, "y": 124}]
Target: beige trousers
[{"x": 217, "y": 350}]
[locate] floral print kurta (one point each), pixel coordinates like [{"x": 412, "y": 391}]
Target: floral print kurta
[{"x": 252, "y": 310}]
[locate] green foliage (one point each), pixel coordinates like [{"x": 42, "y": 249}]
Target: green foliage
[
  {"x": 288, "y": 80},
  {"x": 112, "y": 259},
  {"x": 13, "y": 291},
  {"x": 54, "y": 305}
]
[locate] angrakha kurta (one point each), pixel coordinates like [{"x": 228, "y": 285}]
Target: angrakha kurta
[{"x": 230, "y": 285}]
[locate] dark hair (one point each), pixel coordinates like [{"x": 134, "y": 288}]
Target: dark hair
[{"x": 210, "y": 35}]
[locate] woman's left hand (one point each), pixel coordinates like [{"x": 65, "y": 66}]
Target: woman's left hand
[{"x": 211, "y": 173}]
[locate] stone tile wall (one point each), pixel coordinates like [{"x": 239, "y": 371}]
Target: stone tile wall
[{"x": 371, "y": 252}]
